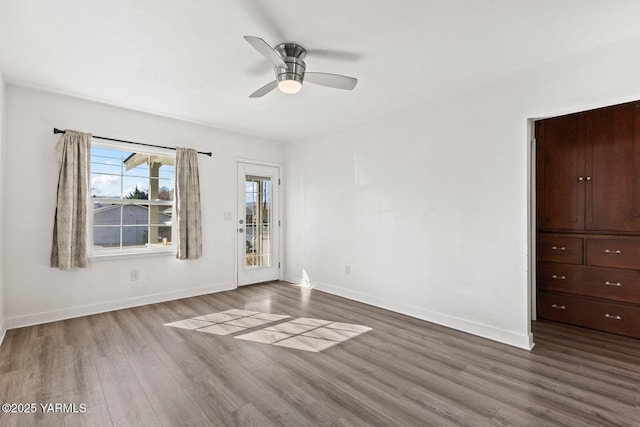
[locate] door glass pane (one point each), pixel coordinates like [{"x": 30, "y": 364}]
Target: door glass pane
[{"x": 258, "y": 221}]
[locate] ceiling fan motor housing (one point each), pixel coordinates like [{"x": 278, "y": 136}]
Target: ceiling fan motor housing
[{"x": 293, "y": 55}]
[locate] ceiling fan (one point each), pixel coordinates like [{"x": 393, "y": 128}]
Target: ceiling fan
[{"x": 289, "y": 66}]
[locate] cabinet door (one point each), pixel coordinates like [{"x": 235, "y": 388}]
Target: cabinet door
[
  {"x": 560, "y": 165},
  {"x": 612, "y": 169}
]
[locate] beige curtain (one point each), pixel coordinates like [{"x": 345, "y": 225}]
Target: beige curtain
[
  {"x": 69, "y": 249},
  {"x": 188, "y": 204}
]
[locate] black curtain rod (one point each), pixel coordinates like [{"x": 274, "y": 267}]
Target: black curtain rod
[{"x": 56, "y": 130}]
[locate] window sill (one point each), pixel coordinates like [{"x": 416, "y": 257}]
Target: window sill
[{"x": 129, "y": 255}]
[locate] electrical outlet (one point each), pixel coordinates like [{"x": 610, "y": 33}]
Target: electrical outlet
[
  {"x": 347, "y": 269},
  {"x": 135, "y": 275}
]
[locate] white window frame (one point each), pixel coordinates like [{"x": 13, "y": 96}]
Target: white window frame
[{"x": 130, "y": 252}]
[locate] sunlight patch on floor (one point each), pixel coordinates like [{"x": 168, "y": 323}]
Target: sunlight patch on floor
[{"x": 302, "y": 333}]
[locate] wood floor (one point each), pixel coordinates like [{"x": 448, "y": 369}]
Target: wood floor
[{"x": 130, "y": 369}]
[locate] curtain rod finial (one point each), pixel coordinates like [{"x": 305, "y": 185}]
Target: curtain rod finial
[{"x": 56, "y": 130}]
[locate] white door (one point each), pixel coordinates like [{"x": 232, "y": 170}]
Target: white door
[{"x": 258, "y": 223}]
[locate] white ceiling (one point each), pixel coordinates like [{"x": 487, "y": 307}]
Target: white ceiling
[{"x": 187, "y": 58}]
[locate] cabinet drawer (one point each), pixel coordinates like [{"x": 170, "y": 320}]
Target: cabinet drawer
[
  {"x": 552, "y": 276},
  {"x": 560, "y": 249},
  {"x": 603, "y": 316},
  {"x": 621, "y": 253},
  {"x": 608, "y": 283}
]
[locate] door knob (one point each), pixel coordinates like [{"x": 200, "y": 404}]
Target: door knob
[{"x": 240, "y": 230}]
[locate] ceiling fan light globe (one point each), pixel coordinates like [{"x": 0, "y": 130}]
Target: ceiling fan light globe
[{"x": 289, "y": 86}]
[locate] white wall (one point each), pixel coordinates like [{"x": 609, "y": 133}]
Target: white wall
[
  {"x": 34, "y": 292},
  {"x": 2, "y": 143},
  {"x": 430, "y": 208}
]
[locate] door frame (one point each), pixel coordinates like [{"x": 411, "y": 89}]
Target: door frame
[
  {"x": 280, "y": 168},
  {"x": 532, "y": 224}
]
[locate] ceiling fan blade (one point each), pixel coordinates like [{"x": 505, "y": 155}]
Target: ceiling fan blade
[
  {"x": 266, "y": 50},
  {"x": 335, "y": 81},
  {"x": 264, "y": 90}
]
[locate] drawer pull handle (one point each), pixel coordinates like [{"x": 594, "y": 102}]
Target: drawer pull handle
[
  {"x": 610, "y": 251},
  {"x": 608, "y": 316},
  {"x": 617, "y": 284},
  {"x": 560, "y": 307},
  {"x": 555, "y": 276},
  {"x": 561, "y": 248}
]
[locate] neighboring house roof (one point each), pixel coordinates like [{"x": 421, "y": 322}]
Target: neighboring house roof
[{"x": 164, "y": 215}]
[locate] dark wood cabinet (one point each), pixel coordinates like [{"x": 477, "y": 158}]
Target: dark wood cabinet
[
  {"x": 560, "y": 164},
  {"x": 612, "y": 171},
  {"x": 588, "y": 219},
  {"x": 588, "y": 170}
]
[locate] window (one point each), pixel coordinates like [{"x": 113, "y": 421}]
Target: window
[
  {"x": 257, "y": 190},
  {"x": 131, "y": 200}
]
